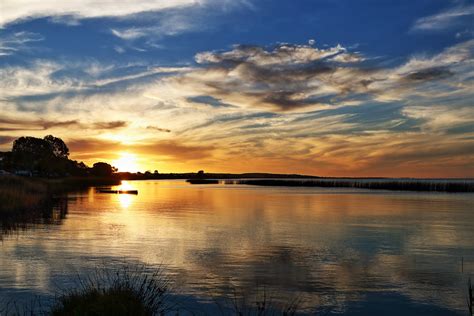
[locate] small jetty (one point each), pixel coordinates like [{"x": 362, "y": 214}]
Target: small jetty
[
  {"x": 202, "y": 181},
  {"x": 118, "y": 191}
]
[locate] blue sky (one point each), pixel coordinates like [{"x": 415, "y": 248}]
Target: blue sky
[{"x": 330, "y": 87}]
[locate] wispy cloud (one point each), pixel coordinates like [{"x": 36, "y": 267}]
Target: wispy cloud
[
  {"x": 72, "y": 11},
  {"x": 17, "y": 10},
  {"x": 167, "y": 148},
  {"x": 173, "y": 22},
  {"x": 446, "y": 19},
  {"x": 18, "y": 124},
  {"x": 159, "y": 129},
  {"x": 15, "y": 42},
  {"x": 335, "y": 109}
]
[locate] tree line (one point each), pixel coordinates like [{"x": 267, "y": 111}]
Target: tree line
[{"x": 48, "y": 157}]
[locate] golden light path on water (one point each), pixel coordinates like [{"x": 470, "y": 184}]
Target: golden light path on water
[
  {"x": 125, "y": 199},
  {"x": 333, "y": 248}
]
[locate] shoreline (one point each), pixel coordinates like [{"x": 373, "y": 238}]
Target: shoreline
[
  {"x": 411, "y": 185},
  {"x": 28, "y": 200}
]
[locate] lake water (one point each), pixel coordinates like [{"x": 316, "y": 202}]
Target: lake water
[{"x": 336, "y": 251}]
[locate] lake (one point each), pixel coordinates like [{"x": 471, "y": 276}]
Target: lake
[{"x": 335, "y": 251}]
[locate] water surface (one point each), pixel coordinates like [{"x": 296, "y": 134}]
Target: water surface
[{"x": 337, "y": 250}]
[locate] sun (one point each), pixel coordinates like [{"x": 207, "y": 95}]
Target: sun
[{"x": 126, "y": 162}]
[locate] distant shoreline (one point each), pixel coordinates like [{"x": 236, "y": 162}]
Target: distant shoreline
[
  {"x": 257, "y": 175},
  {"x": 416, "y": 185},
  {"x": 453, "y": 185}
]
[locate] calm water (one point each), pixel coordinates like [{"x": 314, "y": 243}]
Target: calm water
[{"x": 337, "y": 250}]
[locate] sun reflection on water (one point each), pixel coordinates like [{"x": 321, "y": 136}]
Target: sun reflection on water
[{"x": 125, "y": 199}]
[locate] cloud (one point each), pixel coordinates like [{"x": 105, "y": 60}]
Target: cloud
[
  {"x": 303, "y": 78},
  {"x": 15, "y": 124},
  {"x": 285, "y": 78},
  {"x": 12, "y": 124},
  {"x": 170, "y": 22},
  {"x": 176, "y": 150},
  {"x": 441, "y": 118},
  {"x": 6, "y": 139},
  {"x": 325, "y": 111},
  {"x": 109, "y": 125},
  {"x": 159, "y": 129},
  {"x": 168, "y": 148},
  {"x": 18, "y": 41},
  {"x": 17, "y": 10},
  {"x": 433, "y": 73},
  {"x": 72, "y": 11},
  {"x": 445, "y": 19}
]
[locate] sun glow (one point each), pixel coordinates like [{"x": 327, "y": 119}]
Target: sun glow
[{"x": 126, "y": 162}]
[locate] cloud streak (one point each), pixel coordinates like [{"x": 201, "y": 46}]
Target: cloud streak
[
  {"x": 445, "y": 19},
  {"x": 15, "y": 124},
  {"x": 328, "y": 111},
  {"x": 11, "y": 44},
  {"x": 17, "y": 10}
]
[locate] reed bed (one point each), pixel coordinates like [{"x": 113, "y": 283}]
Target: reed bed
[
  {"x": 25, "y": 201},
  {"x": 26, "y": 194},
  {"x": 374, "y": 184},
  {"x": 19, "y": 194}
]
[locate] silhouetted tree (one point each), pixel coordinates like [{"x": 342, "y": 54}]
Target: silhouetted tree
[
  {"x": 58, "y": 147},
  {"x": 31, "y": 153},
  {"x": 102, "y": 169},
  {"x": 76, "y": 168},
  {"x": 156, "y": 172},
  {"x": 47, "y": 156}
]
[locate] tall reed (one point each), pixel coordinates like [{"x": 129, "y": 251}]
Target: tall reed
[{"x": 375, "y": 184}]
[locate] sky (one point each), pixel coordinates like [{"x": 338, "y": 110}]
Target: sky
[{"x": 321, "y": 87}]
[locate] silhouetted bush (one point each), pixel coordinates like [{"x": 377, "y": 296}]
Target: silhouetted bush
[
  {"x": 102, "y": 169},
  {"x": 126, "y": 291}
]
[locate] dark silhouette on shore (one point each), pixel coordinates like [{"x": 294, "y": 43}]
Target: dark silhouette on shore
[
  {"x": 41, "y": 157},
  {"x": 433, "y": 185}
]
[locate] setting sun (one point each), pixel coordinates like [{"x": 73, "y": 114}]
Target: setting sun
[{"x": 126, "y": 162}]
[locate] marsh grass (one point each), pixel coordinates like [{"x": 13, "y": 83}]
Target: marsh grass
[
  {"x": 25, "y": 201},
  {"x": 374, "y": 184},
  {"x": 25, "y": 194},
  {"x": 126, "y": 291},
  {"x": 19, "y": 194}
]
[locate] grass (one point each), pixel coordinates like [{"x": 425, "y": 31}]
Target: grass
[
  {"x": 25, "y": 200},
  {"x": 137, "y": 290},
  {"x": 374, "y": 184},
  {"x": 19, "y": 194},
  {"x": 126, "y": 291}
]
